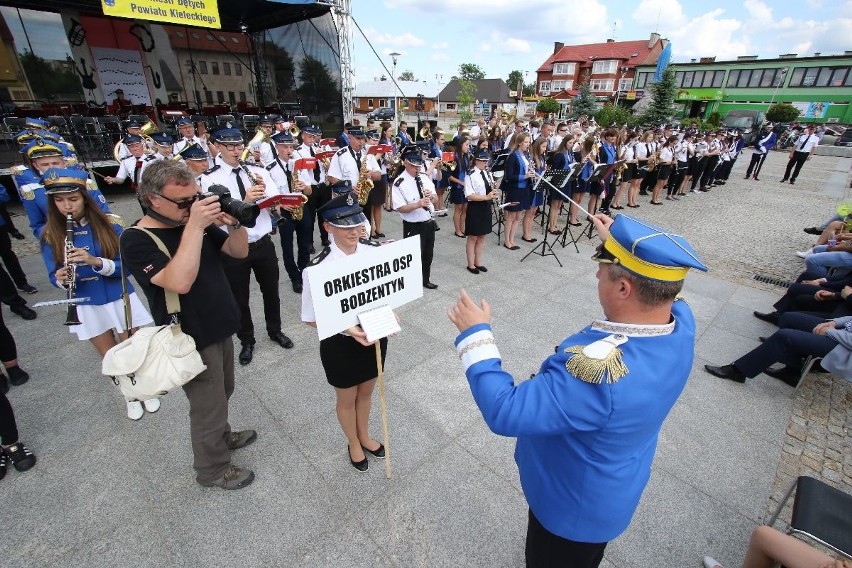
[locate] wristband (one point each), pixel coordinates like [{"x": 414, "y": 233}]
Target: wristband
[{"x": 236, "y": 225}]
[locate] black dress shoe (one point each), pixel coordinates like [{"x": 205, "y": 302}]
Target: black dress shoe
[
  {"x": 473, "y": 270},
  {"x": 762, "y": 339},
  {"x": 726, "y": 372},
  {"x": 362, "y": 465},
  {"x": 297, "y": 287},
  {"x": 813, "y": 231},
  {"x": 770, "y": 317},
  {"x": 17, "y": 376},
  {"x": 17, "y": 235},
  {"x": 24, "y": 311},
  {"x": 246, "y": 353},
  {"x": 482, "y": 269},
  {"x": 429, "y": 285},
  {"x": 281, "y": 339},
  {"x": 783, "y": 180},
  {"x": 784, "y": 374},
  {"x": 27, "y": 288},
  {"x": 378, "y": 452}
]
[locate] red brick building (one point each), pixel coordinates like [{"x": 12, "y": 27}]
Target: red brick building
[{"x": 611, "y": 67}]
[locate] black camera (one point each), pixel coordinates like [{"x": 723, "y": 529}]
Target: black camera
[{"x": 245, "y": 213}]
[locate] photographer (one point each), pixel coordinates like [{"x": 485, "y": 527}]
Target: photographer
[{"x": 185, "y": 222}]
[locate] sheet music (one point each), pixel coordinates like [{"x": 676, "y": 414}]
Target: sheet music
[{"x": 378, "y": 323}]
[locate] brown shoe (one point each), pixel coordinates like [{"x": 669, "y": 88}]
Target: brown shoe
[
  {"x": 233, "y": 478},
  {"x": 237, "y": 440}
]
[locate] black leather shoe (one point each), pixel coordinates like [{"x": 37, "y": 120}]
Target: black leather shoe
[
  {"x": 770, "y": 317},
  {"x": 813, "y": 231},
  {"x": 362, "y": 465},
  {"x": 27, "y": 288},
  {"x": 281, "y": 339},
  {"x": 297, "y": 287},
  {"x": 246, "y": 353},
  {"x": 16, "y": 234},
  {"x": 726, "y": 372},
  {"x": 378, "y": 452},
  {"x": 24, "y": 311},
  {"x": 762, "y": 339},
  {"x": 783, "y": 180},
  {"x": 784, "y": 374},
  {"x": 17, "y": 376},
  {"x": 429, "y": 285}
]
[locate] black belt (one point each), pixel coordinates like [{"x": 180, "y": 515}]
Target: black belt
[
  {"x": 261, "y": 241},
  {"x": 416, "y": 222}
]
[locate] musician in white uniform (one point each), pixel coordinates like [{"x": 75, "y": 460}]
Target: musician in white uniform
[
  {"x": 413, "y": 196},
  {"x": 346, "y": 164},
  {"x": 187, "y": 136}
]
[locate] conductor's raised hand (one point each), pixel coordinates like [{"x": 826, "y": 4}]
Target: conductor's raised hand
[
  {"x": 466, "y": 313},
  {"x": 602, "y": 223},
  {"x": 204, "y": 212}
]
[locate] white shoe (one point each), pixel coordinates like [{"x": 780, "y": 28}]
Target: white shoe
[
  {"x": 694, "y": 191},
  {"x": 710, "y": 563},
  {"x": 152, "y": 404},
  {"x": 134, "y": 410},
  {"x": 802, "y": 253}
]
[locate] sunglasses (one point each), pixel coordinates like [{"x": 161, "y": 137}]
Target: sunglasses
[{"x": 183, "y": 203}]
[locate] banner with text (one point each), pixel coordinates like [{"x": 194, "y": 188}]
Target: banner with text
[
  {"x": 201, "y": 13},
  {"x": 389, "y": 275}
]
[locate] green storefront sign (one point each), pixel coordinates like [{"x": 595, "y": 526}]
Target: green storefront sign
[{"x": 699, "y": 94}]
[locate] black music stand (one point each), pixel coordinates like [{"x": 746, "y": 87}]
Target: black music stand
[
  {"x": 498, "y": 165},
  {"x": 556, "y": 179}
]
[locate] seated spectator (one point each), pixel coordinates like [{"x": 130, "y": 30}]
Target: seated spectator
[
  {"x": 769, "y": 547},
  {"x": 823, "y": 258},
  {"x": 835, "y": 230},
  {"x": 801, "y": 335},
  {"x": 825, "y": 298}
]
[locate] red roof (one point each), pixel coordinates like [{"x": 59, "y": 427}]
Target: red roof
[
  {"x": 632, "y": 52},
  {"x": 206, "y": 40}
]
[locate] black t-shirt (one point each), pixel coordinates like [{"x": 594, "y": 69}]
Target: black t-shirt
[{"x": 209, "y": 312}]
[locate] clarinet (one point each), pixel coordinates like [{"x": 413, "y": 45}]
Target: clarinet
[{"x": 71, "y": 317}]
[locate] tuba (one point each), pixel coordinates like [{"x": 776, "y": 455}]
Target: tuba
[
  {"x": 147, "y": 129},
  {"x": 260, "y": 136}
]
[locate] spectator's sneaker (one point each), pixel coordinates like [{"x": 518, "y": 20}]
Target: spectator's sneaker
[
  {"x": 234, "y": 478},
  {"x": 17, "y": 376},
  {"x": 134, "y": 410},
  {"x": 21, "y": 456},
  {"x": 3, "y": 467},
  {"x": 237, "y": 440},
  {"x": 802, "y": 253}
]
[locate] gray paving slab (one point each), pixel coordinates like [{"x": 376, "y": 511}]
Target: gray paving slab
[{"x": 454, "y": 499}]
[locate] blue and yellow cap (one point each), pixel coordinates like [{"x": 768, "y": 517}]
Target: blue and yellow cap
[
  {"x": 648, "y": 251},
  {"x": 38, "y": 148},
  {"x": 64, "y": 180},
  {"x": 343, "y": 211},
  {"x": 39, "y": 123}
]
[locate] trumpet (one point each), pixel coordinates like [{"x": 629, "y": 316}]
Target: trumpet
[{"x": 71, "y": 317}]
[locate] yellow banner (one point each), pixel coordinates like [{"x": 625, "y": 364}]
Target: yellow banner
[{"x": 201, "y": 13}]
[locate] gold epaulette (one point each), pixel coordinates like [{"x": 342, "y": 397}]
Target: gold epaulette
[
  {"x": 597, "y": 361},
  {"x": 116, "y": 220}
]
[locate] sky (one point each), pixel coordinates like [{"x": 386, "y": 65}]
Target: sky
[{"x": 435, "y": 36}]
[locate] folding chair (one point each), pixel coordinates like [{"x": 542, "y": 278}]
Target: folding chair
[
  {"x": 821, "y": 513},
  {"x": 810, "y": 361}
]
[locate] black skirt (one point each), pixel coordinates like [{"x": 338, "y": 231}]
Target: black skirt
[
  {"x": 377, "y": 194},
  {"x": 347, "y": 363},
  {"x": 477, "y": 222},
  {"x": 640, "y": 173},
  {"x": 664, "y": 171}
]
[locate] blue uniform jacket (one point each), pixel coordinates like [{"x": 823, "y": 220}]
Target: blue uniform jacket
[
  {"x": 99, "y": 288},
  {"x": 31, "y": 192},
  {"x": 515, "y": 172},
  {"x": 584, "y": 450}
]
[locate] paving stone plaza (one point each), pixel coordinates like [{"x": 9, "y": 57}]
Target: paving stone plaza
[{"x": 111, "y": 492}]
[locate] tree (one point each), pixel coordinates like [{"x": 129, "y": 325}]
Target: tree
[
  {"x": 50, "y": 82},
  {"x": 467, "y": 94},
  {"x": 406, "y": 75},
  {"x": 282, "y": 71},
  {"x": 661, "y": 110},
  {"x": 547, "y": 105},
  {"x": 610, "y": 115},
  {"x": 782, "y": 112},
  {"x": 515, "y": 78},
  {"x": 470, "y": 72},
  {"x": 585, "y": 101},
  {"x": 318, "y": 89}
]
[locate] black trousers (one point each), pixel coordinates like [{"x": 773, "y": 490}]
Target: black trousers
[
  {"x": 676, "y": 178},
  {"x": 7, "y": 218},
  {"x": 10, "y": 259},
  {"x": 755, "y": 164},
  {"x": 789, "y": 345},
  {"x": 320, "y": 195},
  {"x": 798, "y": 160},
  {"x": 426, "y": 230},
  {"x": 304, "y": 231},
  {"x": 800, "y": 298},
  {"x": 264, "y": 262},
  {"x": 8, "y": 352},
  {"x": 547, "y": 550},
  {"x": 700, "y": 166},
  {"x": 709, "y": 170}
]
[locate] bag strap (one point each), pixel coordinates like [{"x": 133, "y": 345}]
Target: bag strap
[{"x": 172, "y": 299}]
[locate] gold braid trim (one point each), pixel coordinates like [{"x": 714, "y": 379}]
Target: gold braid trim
[
  {"x": 475, "y": 344},
  {"x": 591, "y": 370}
]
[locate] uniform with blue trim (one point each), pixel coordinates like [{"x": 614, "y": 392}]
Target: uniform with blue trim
[
  {"x": 587, "y": 423},
  {"x": 29, "y": 185}
]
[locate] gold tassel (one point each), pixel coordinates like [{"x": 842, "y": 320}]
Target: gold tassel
[{"x": 592, "y": 370}]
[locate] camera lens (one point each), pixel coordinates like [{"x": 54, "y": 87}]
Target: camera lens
[{"x": 245, "y": 213}]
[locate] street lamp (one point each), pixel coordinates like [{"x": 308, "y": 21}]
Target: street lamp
[
  {"x": 394, "y": 56},
  {"x": 780, "y": 82},
  {"x": 439, "y": 78}
]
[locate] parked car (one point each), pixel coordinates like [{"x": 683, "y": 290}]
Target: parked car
[
  {"x": 844, "y": 139},
  {"x": 383, "y": 113},
  {"x": 832, "y": 133}
]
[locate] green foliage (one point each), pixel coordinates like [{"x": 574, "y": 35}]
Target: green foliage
[
  {"x": 661, "y": 109},
  {"x": 715, "y": 119},
  {"x": 467, "y": 95},
  {"x": 318, "y": 88},
  {"x": 282, "y": 68},
  {"x": 470, "y": 72},
  {"x": 782, "y": 112},
  {"x": 515, "y": 77},
  {"x": 547, "y": 105},
  {"x": 48, "y": 82},
  {"x": 609, "y": 115},
  {"x": 585, "y": 101},
  {"x": 406, "y": 75}
]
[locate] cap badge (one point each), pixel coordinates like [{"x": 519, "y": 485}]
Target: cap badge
[{"x": 349, "y": 200}]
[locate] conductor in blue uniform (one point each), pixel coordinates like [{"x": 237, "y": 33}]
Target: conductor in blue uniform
[{"x": 587, "y": 423}]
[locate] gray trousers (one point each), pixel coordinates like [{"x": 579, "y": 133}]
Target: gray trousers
[{"x": 208, "y": 395}]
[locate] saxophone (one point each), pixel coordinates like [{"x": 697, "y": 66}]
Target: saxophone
[{"x": 365, "y": 184}]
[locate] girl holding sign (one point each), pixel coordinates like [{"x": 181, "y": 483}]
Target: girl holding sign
[{"x": 349, "y": 360}]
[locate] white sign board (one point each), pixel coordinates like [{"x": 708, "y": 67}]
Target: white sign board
[
  {"x": 122, "y": 69},
  {"x": 389, "y": 275}
]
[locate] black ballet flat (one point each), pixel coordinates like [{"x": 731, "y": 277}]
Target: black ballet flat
[
  {"x": 473, "y": 270},
  {"x": 482, "y": 269},
  {"x": 378, "y": 452},
  {"x": 575, "y": 224},
  {"x": 362, "y": 465},
  {"x": 532, "y": 240}
]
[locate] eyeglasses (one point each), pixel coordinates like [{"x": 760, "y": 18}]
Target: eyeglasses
[
  {"x": 183, "y": 203},
  {"x": 231, "y": 146},
  {"x": 562, "y": 130}
]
